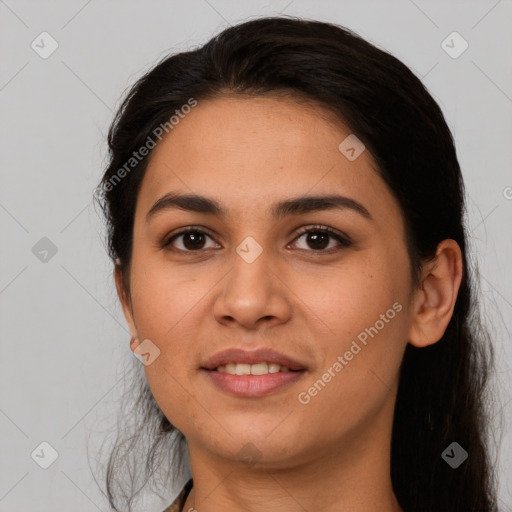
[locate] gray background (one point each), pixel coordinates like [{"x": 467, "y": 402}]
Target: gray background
[{"x": 64, "y": 340}]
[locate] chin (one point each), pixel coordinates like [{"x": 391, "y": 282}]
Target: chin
[{"x": 261, "y": 451}]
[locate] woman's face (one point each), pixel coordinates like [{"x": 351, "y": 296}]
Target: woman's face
[{"x": 251, "y": 280}]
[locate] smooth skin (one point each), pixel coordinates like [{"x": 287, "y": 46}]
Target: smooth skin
[{"x": 195, "y": 297}]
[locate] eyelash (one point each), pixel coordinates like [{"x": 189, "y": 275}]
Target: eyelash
[{"x": 343, "y": 239}]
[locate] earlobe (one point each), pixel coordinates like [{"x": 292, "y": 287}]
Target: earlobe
[
  {"x": 435, "y": 299},
  {"x": 134, "y": 343}
]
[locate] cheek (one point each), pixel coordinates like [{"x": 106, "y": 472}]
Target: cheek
[
  {"x": 165, "y": 298},
  {"x": 352, "y": 296},
  {"x": 365, "y": 309},
  {"x": 358, "y": 372},
  {"x": 176, "y": 398},
  {"x": 168, "y": 307}
]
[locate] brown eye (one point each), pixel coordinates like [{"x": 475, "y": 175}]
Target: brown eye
[
  {"x": 318, "y": 238},
  {"x": 192, "y": 240}
]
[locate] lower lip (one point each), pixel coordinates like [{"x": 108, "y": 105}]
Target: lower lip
[{"x": 250, "y": 386}]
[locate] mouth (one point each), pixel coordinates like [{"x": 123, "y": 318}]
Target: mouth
[
  {"x": 237, "y": 361},
  {"x": 261, "y": 368},
  {"x": 250, "y": 374},
  {"x": 252, "y": 380}
]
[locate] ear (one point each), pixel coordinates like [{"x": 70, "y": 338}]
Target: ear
[
  {"x": 434, "y": 301},
  {"x": 124, "y": 298}
]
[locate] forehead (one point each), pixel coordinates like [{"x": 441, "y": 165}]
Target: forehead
[{"x": 251, "y": 151}]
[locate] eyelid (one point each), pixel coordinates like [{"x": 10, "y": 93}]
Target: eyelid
[
  {"x": 183, "y": 231},
  {"x": 342, "y": 237}
]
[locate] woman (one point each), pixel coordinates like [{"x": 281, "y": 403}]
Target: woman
[{"x": 285, "y": 211}]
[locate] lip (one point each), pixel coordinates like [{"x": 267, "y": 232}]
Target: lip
[
  {"x": 252, "y": 386},
  {"x": 237, "y": 355}
]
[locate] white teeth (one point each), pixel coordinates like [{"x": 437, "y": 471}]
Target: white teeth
[
  {"x": 259, "y": 369},
  {"x": 229, "y": 368},
  {"x": 252, "y": 369},
  {"x": 243, "y": 369},
  {"x": 274, "y": 367}
]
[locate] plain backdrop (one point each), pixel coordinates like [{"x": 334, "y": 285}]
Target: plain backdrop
[{"x": 64, "y": 339}]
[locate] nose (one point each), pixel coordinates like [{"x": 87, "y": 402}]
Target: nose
[{"x": 253, "y": 294}]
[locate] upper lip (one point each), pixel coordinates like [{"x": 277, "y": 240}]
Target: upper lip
[{"x": 237, "y": 355}]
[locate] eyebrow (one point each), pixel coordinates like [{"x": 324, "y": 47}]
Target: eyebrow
[{"x": 294, "y": 206}]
